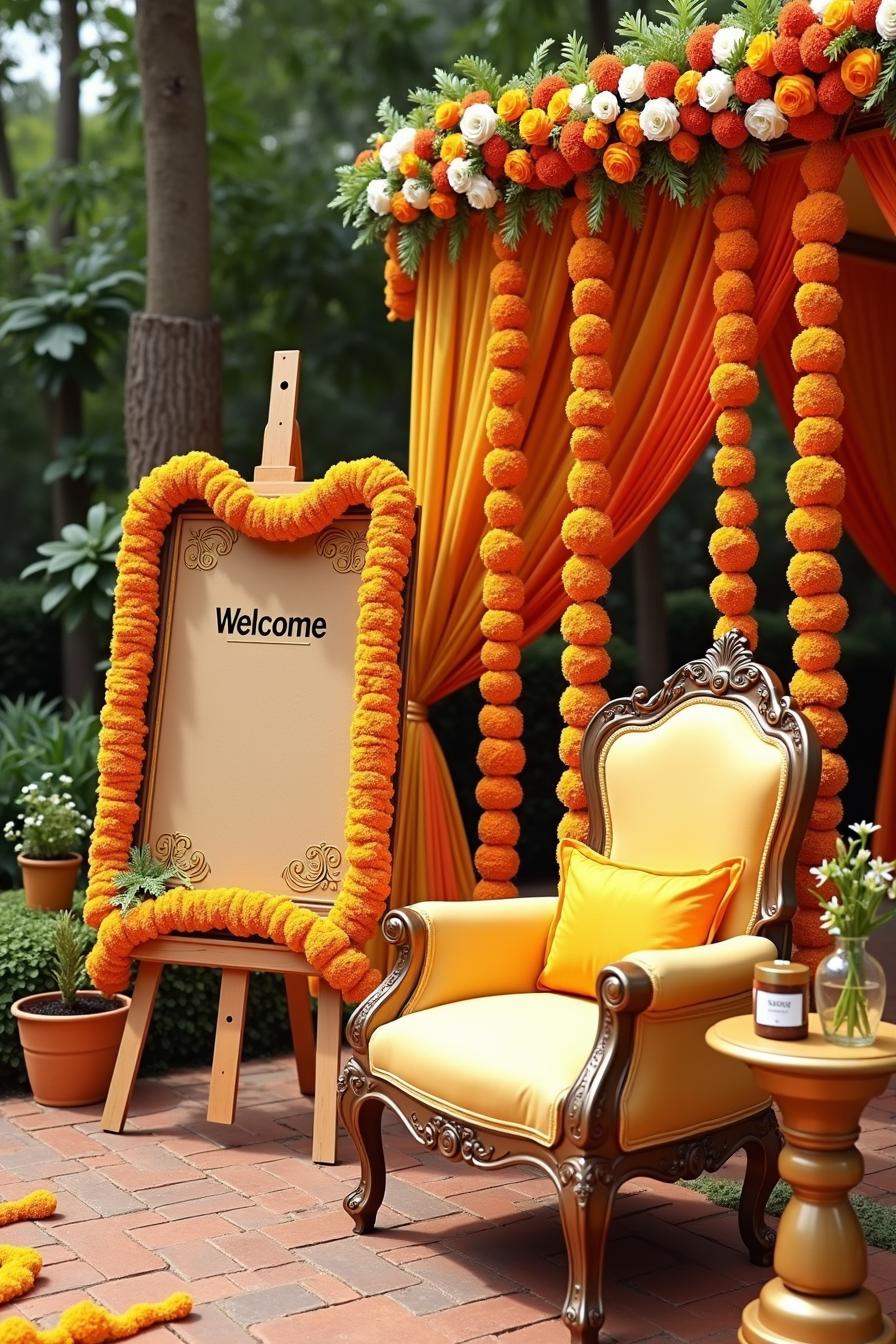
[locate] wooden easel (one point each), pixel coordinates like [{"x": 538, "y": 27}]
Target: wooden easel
[{"x": 317, "y": 1063}]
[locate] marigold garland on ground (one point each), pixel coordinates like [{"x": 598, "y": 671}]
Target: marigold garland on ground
[
  {"x": 587, "y": 530},
  {"x": 815, "y": 485},
  {"x": 501, "y": 756},
  {"x": 332, "y": 944},
  {"x": 733, "y": 386},
  {"x": 83, "y": 1323}
]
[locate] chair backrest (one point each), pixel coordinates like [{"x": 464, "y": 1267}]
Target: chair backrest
[{"x": 716, "y": 765}]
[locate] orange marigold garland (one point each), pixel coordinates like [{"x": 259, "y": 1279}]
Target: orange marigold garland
[
  {"x": 815, "y": 485},
  {"x": 331, "y": 944},
  {"x": 734, "y": 386},
  {"x": 501, "y": 755},
  {"x": 587, "y": 530},
  {"x": 400, "y": 289}
]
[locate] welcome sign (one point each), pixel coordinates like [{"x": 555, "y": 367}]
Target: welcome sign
[{"x": 250, "y": 712}]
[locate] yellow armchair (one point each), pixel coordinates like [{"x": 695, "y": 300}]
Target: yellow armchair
[{"x": 485, "y": 1068}]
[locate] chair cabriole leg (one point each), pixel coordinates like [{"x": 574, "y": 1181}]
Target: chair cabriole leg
[
  {"x": 585, "y": 1208},
  {"x": 762, "y": 1151},
  {"x": 363, "y": 1117}
]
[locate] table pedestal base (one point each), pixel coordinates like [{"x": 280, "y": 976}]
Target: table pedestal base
[{"x": 781, "y": 1316}]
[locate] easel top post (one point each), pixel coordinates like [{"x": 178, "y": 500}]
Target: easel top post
[{"x": 281, "y": 454}]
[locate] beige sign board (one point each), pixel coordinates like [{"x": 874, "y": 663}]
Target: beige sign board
[{"x": 248, "y": 758}]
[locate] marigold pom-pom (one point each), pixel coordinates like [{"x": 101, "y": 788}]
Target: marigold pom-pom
[
  {"x": 745, "y": 624},
  {"x": 699, "y": 46},
  {"x": 818, "y": 350},
  {"x": 816, "y": 480},
  {"x": 825, "y": 611},
  {"x": 495, "y": 151},
  {"x": 584, "y": 663},
  {"x": 579, "y": 157},
  {"x": 589, "y": 335},
  {"x": 735, "y": 250},
  {"x": 500, "y": 721},
  {"x": 817, "y": 261},
  {"x": 503, "y": 592},
  {"x": 589, "y": 406},
  {"x": 733, "y": 385},
  {"x": 571, "y": 790},
  {"x": 499, "y": 792},
  {"x": 817, "y": 528},
  {"x": 506, "y": 386},
  {"x": 552, "y": 169},
  {"x": 589, "y": 483},
  {"x": 734, "y": 212},
  {"x": 497, "y": 863},
  {"x": 823, "y": 165},
  {"x": 736, "y": 508},
  {"x": 813, "y": 42},
  {"x": 546, "y": 88},
  {"x": 818, "y": 688},
  {"x": 818, "y": 846},
  {"x": 494, "y": 891},
  {"x": 500, "y": 688},
  {"x": 733, "y": 428},
  {"x": 585, "y": 623},
  {"x": 587, "y": 531},
  {"x": 589, "y": 444},
  {"x": 733, "y": 466},
  {"x": 604, "y": 72},
  {"x": 501, "y": 551},
  {"x": 815, "y": 651},
  {"x": 734, "y": 549},
  {"x": 827, "y": 815},
  {"x": 750, "y": 86},
  {"x": 505, "y": 467},
  {"x": 591, "y": 372},
  {"x": 590, "y": 258},
  {"x": 818, "y": 394},
  {"x": 508, "y": 310},
  {"x": 504, "y": 427},
  {"x": 729, "y": 129},
  {"x": 498, "y": 828},
  {"x": 570, "y": 749},
  {"x": 592, "y": 296},
  {"x": 808, "y": 933},
  {"x": 733, "y": 594},
  {"x": 786, "y": 55},
  {"x": 500, "y": 655},
  {"x": 736, "y": 338},
  {"x": 829, "y": 724},
  {"x": 834, "y": 774},
  {"x": 508, "y": 349},
  {"x": 819, "y": 218},
  {"x": 817, "y": 305},
  {"x": 813, "y": 126},
  {"x": 585, "y": 578},
  {"x": 579, "y": 704},
  {"x": 813, "y": 572},
  {"x": 501, "y": 625},
  {"x": 864, "y": 14},
  {"x": 508, "y": 277},
  {"x": 660, "y": 79},
  {"x": 504, "y": 508},
  {"x": 695, "y": 119},
  {"x": 733, "y": 292},
  {"x": 833, "y": 95},
  {"x": 795, "y": 17},
  {"x": 818, "y": 434},
  {"x": 500, "y": 756}
]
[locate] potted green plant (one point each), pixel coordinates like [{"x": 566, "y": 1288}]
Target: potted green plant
[
  {"x": 850, "y": 985},
  {"x": 70, "y": 1036},
  {"x": 48, "y": 835}
]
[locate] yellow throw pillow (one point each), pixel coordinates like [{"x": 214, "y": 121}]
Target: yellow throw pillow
[{"x": 608, "y": 910}]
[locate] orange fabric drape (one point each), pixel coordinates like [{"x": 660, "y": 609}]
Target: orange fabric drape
[
  {"x": 868, "y": 287},
  {"x": 661, "y": 355}
]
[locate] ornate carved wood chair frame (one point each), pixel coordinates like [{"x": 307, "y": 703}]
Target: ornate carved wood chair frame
[{"x": 587, "y": 1163}]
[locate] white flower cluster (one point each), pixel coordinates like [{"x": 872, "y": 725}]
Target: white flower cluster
[
  {"x": 51, "y": 824},
  {"x": 862, "y": 882},
  {"x": 885, "y": 20},
  {"x": 477, "y": 125}
]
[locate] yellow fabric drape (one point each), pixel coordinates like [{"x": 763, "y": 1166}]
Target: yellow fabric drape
[{"x": 661, "y": 356}]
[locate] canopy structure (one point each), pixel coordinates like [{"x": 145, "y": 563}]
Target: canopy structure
[{"x": 658, "y": 329}]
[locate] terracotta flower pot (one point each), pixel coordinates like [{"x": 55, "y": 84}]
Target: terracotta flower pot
[
  {"x": 49, "y": 883},
  {"x": 70, "y": 1059}
]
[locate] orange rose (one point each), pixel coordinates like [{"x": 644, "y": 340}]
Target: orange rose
[
  {"x": 838, "y": 16},
  {"x": 621, "y": 162},
  {"x": 447, "y": 114},
  {"x": 795, "y": 95},
  {"x": 684, "y": 147},
  {"x": 759, "y": 54},
  {"x": 442, "y": 205},
  {"x": 453, "y": 147},
  {"x": 409, "y": 165},
  {"x": 535, "y": 126},
  {"x": 558, "y": 107},
  {"x": 518, "y": 166},
  {"x": 596, "y": 133},
  {"x": 860, "y": 71},
  {"x": 686, "y": 87},
  {"x": 512, "y": 104},
  {"x": 628, "y": 128},
  {"x": 402, "y": 209}
]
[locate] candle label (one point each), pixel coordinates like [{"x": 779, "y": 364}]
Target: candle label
[{"x": 778, "y": 1009}]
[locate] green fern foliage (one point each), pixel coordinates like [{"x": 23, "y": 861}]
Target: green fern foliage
[
  {"x": 884, "y": 84},
  {"x": 575, "y": 59},
  {"x": 536, "y": 65},
  {"x": 841, "y": 44},
  {"x": 145, "y": 878},
  {"x": 754, "y": 154}
]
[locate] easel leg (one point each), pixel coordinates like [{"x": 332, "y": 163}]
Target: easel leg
[
  {"x": 228, "y": 1047},
  {"x": 130, "y": 1052},
  {"x": 298, "y": 1002},
  {"x": 329, "y": 1040}
]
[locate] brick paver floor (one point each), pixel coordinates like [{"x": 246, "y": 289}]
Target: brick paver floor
[{"x": 241, "y": 1217}]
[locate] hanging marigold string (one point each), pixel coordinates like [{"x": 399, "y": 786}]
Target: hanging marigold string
[
  {"x": 401, "y": 289},
  {"x": 734, "y": 386},
  {"x": 587, "y": 530},
  {"x": 815, "y": 485},
  {"x": 501, "y": 756}
]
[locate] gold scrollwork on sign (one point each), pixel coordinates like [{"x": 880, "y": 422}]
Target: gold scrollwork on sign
[
  {"x": 178, "y": 849},
  {"x": 206, "y": 545},
  {"x": 344, "y": 547},
  {"x": 319, "y": 870}
]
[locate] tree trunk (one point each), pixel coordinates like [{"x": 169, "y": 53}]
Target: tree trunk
[
  {"x": 651, "y": 636},
  {"x": 9, "y": 184},
  {"x": 172, "y": 400},
  {"x": 68, "y": 109}
]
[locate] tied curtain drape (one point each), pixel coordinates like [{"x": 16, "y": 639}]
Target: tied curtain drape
[
  {"x": 866, "y": 324},
  {"x": 661, "y": 356}
]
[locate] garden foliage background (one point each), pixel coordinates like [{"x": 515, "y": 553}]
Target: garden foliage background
[{"x": 290, "y": 90}]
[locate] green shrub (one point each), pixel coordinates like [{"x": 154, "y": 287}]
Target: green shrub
[
  {"x": 34, "y": 737},
  {"x": 29, "y": 642},
  {"x": 183, "y": 1024}
]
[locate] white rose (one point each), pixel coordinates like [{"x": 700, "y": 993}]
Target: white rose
[
  {"x": 460, "y": 174},
  {"x": 764, "y": 120},
  {"x": 885, "y": 20},
  {"x": 478, "y": 123},
  {"x": 379, "y": 197},
  {"x": 390, "y": 155},
  {"x": 416, "y": 193},
  {"x": 579, "y": 97},
  {"x": 605, "y": 106},
  {"x": 631, "y": 83},
  {"x": 482, "y": 192},
  {"x": 724, "y": 43},
  {"x": 818, "y": 7},
  {"x": 714, "y": 90},
  {"x": 659, "y": 119},
  {"x": 403, "y": 140}
]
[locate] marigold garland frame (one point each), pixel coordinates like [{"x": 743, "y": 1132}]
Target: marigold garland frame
[{"x": 331, "y": 943}]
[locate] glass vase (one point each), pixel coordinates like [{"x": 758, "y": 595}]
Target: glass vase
[{"x": 850, "y": 991}]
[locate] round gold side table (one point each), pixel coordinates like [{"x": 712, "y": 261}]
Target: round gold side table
[{"x": 820, "y": 1258}]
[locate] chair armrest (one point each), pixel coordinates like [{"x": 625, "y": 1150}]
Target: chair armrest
[{"x": 687, "y": 976}]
